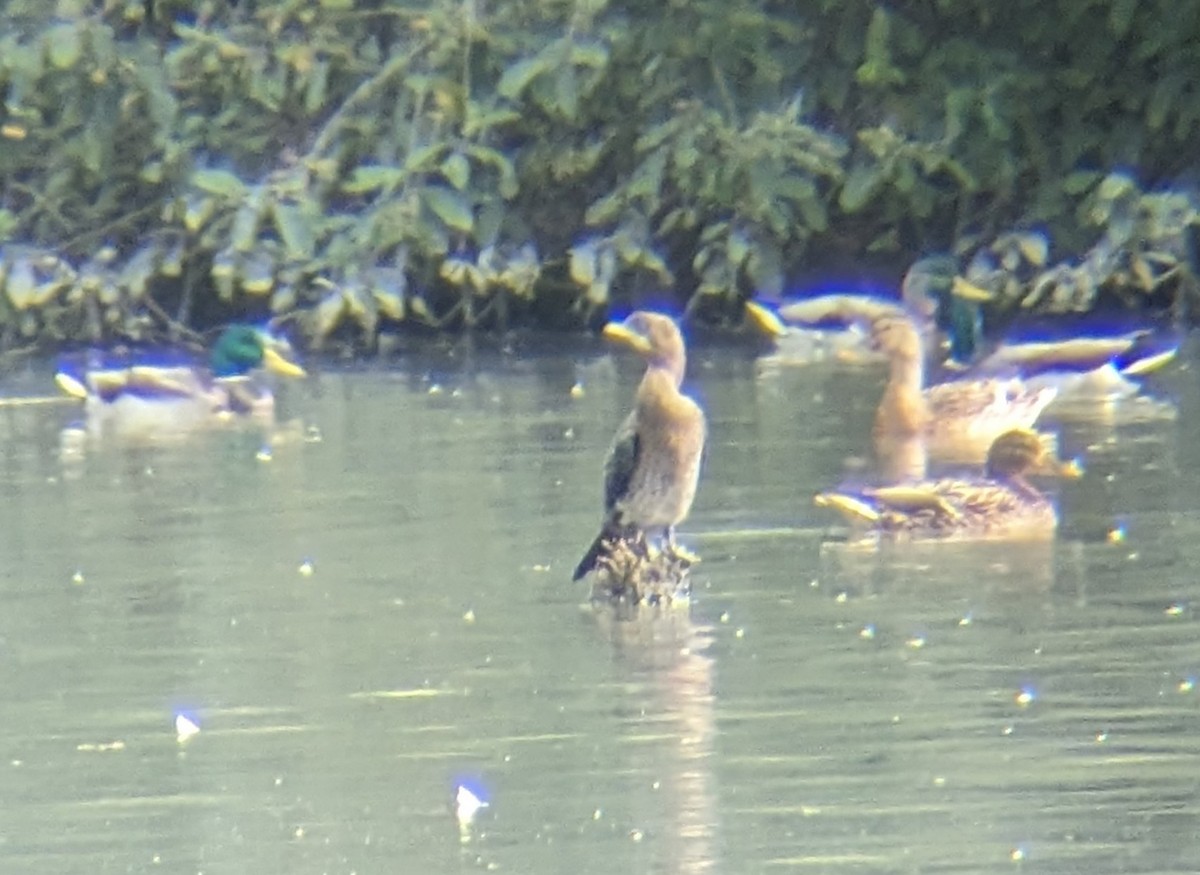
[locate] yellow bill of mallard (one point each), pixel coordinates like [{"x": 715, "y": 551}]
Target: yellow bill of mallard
[
  {"x": 1149, "y": 364},
  {"x": 1072, "y": 470},
  {"x": 968, "y": 291},
  {"x": 277, "y": 363},
  {"x": 764, "y": 320},
  {"x": 70, "y": 386},
  {"x": 617, "y": 332}
]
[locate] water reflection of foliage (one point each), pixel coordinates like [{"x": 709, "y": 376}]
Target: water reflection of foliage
[{"x": 450, "y": 163}]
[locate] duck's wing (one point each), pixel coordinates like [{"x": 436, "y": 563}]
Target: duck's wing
[
  {"x": 914, "y": 497},
  {"x": 622, "y": 461},
  {"x": 1073, "y": 353}
]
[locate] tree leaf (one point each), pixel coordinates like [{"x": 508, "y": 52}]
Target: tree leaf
[
  {"x": 327, "y": 314},
  {"x": 581, "y": 263},
  {"x": 589, "y": 54},
  {"x": 295, "y": 230},
  {"x": 21, "y": 284},
  {"x": 508, "y": 185},
  {"x": 64, "y": 46},
  {"x": 1120, "y": 16},
  {"x": 449, "y": 206},
  {"x": 371, "y": 177},
  {"x": 479, "y": 121},
  {"x": 566, "y": 91},
  {"x": 860, "y": 184},
  {"x": 219, "y": 182},
  {"x": 457, "y": 170},
  {"x": 423, "y": 158},
  {"x": 517, "y": 77}
]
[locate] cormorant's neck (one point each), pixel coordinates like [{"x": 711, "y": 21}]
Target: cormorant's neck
[{"x": 673, "y": 365}]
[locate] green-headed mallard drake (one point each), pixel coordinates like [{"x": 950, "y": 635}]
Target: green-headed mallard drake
[
  {"x": 1000, "y": 504},
  {"x": 1082, "y": 357},
  {"x": 836, "y": 326},
  {"x": 960, "y": 418},
  {"x": 160, "y": 400},
  {"x": 652, "y": 469}
]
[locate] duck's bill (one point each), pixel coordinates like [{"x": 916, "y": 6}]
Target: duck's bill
[
  {"x": 1150, "y": 363},
  {"x": 764, "y": 320},
  {"x": 70, "y": 385},
  {"x": 1071, "y": 469},
  {"x": 618, "y": 333},
  {"x": 277, "y": 363},
  {"x": 968, "y": 291}
]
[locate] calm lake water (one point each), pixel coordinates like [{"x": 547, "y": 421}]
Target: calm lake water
[{"x": 379, "y": 610}]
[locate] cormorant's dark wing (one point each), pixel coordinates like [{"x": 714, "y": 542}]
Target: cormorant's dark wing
[{"x": 621, "y": 462}]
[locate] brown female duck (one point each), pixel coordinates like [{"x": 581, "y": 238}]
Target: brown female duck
[
  {"x": 964, "y": 415},
  {"x": 1002, "y": 504}
]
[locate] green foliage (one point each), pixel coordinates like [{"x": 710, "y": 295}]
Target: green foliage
[
  {"x": 1140, "y": 255},
  {"x": 350, "y": 164}
]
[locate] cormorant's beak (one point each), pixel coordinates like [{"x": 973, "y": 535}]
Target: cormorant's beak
[
  {"x": 617, "y": 332},
  {"x": 765, "y": 320},
  {"x": 276, "y": 363},
  {"x": 968, "y": 291}
]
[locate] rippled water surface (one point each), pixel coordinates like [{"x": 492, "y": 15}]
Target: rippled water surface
[{"x": 361, "y": 623}]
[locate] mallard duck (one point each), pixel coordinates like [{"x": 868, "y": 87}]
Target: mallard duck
[
  {"x": 822, "y": 328},
  {"x": 1081, "y": 357},
  {"x": 952, "y": 416},
  {"x": 652, "y": 469},
  {"x": 1001, "y": 504},
  {"x": 837, "y": 325},
  {"x": 156, "y": 400}
]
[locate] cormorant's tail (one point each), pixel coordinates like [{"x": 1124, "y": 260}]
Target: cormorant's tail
[{"x": 609, "y": 532}]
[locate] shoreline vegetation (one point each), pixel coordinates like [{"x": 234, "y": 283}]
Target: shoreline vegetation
[{"x": 348, "y": 169}]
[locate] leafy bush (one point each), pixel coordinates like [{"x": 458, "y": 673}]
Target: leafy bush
[{"x": 350, "y": 163}]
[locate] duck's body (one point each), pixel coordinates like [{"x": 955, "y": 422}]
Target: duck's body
[
  {"x": 1093, "y": 376},
  {"x": 962, "y": 414},
  {"x": 1082, "y": 358},
  {"x": 824, "y": 328},
  {"x": 153, "y": 401},
  {"x": 1000, "y": 504},
  {"x": 653, "y": 467},
  {"x": 836, "y": 326}
]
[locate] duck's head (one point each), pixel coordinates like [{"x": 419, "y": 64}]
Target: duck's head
[
  {"x": 243, "y": 348},
  {"x": 1022, "y": 451},
  {"x": 653, "y": 336},
  {"x": 933, "y": 289},
  {"x": 896, "y": 337},
  {"x": 927, "y": 284}
]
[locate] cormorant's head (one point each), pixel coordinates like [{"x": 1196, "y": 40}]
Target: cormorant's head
[
  {"x": 653, "y": 336},
  {"x": 242, "y": 348}
]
